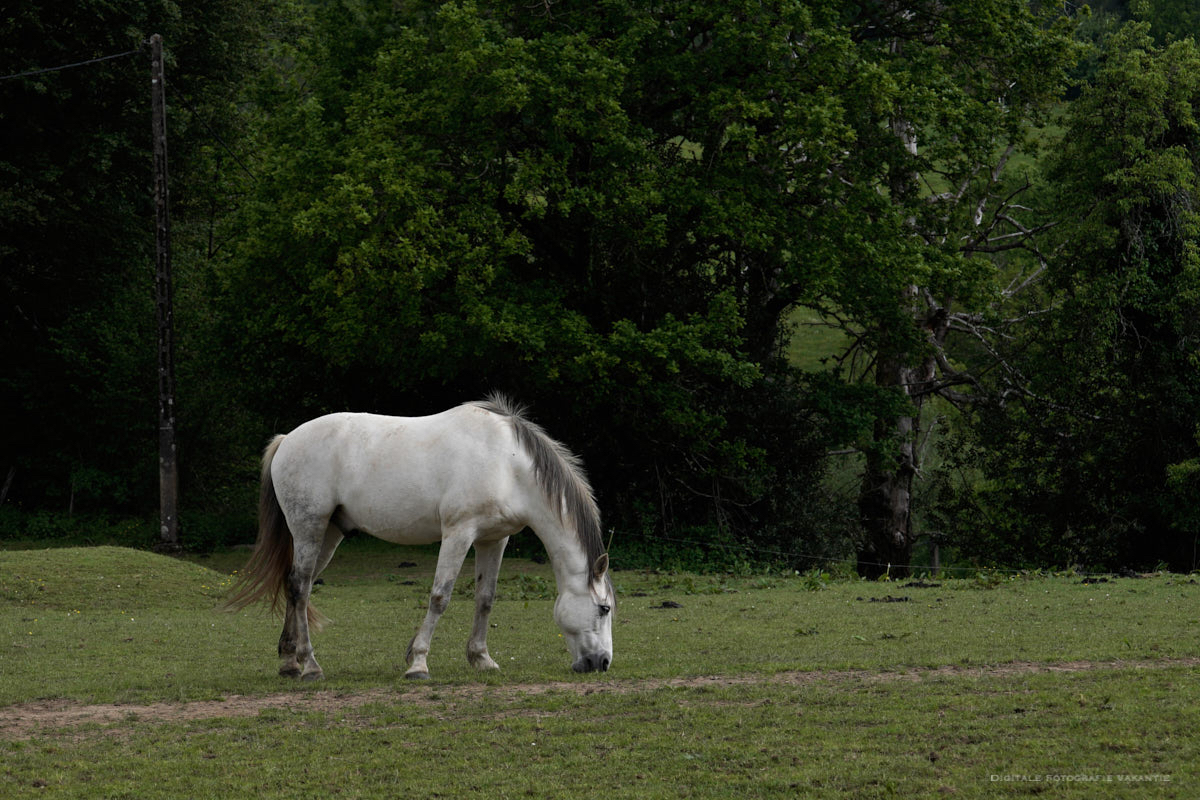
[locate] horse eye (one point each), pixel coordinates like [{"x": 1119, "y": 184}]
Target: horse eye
[{"x": 604, "y": 610}]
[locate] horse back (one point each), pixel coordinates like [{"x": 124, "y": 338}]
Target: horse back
[{"x": 405, "y": 479}]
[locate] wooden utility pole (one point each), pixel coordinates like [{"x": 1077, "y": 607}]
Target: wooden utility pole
[{"x": 168, "y": 465}]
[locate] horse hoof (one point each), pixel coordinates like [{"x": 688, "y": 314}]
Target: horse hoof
[
  {"x": 289, "y": 672},
  {"x": 485, "y": 665},
  {"x": 417, "y": 676},
  {"x": 316, "y": 675}
]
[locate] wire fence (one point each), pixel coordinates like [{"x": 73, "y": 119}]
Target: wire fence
[{"x": 818, "y": 560}]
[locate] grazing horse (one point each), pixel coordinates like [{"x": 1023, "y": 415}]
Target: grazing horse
[{"x": 470, "y": 476}]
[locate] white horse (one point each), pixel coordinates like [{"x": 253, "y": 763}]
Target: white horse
[{"x": 470, "y": 476}]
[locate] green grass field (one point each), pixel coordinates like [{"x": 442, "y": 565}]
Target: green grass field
[{"x": 119, "y": 679}]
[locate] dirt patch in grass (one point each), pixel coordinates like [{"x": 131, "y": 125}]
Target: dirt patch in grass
[{"x": 24, "y": 720}]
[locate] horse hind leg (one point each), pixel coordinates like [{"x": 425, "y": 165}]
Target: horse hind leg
[
  {"x": 289, "y": 638},
  {"x": 295, "y": 645},
  {"x": 487, "y": 569},
  {"x": 290, "y": 665}
]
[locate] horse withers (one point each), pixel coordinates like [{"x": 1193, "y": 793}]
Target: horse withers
[{"x": 468, "y": 477}]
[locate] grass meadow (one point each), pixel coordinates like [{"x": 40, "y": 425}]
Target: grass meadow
[{"x": 119, "y": 678}]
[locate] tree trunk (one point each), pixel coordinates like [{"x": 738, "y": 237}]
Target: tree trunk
[
  {"x": 886, "y": 500},
  {"x": 886, "y": 497},
  {"x": 885, "y": 503}
]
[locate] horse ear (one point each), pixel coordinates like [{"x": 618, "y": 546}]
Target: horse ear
[{"x": 600, "y": 567}]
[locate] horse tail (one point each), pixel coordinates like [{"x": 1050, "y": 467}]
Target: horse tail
[{"x": 266, "y": 573}]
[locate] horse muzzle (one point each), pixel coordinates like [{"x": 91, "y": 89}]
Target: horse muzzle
[{"x": 592, "y": 662}]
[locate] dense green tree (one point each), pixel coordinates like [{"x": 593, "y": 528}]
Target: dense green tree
[
  {"x": 970, "y": 83},
  {"x": 1095, "y": 465},
  {"x": 1170, "y": 20},
  {"x": 611, "y": 208},
  {"x": 598, "y": 216},
  {"x": 76, "y": 230}
]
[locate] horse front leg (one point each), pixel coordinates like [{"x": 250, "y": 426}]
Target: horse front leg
[
  {"x": 487, "y": 569},
  {"x": 450, "y": 560}
]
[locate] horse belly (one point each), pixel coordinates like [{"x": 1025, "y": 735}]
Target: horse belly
[
  {"x": 398, "y": 514},
  {"x": 407, "y": 511}
]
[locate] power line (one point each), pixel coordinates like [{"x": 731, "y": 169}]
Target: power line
[
  {"x": 186, "y": 104},
  {"x": 196, "y": 116},
  {"x": 33, "y": 72}
]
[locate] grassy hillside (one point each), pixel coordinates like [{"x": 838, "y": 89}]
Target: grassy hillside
[{"x": 78, "y": 579}]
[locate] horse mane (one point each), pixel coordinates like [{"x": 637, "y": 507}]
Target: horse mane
[{"x": 558, "y": 471}]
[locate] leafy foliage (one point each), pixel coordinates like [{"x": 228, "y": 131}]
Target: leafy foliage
[
  {"x": 612, "y": 210},
  {"x": 1169, "y": 20},
  {"x": 76, "y": 237},
  {"x": 1080, "y": 471},
  {"x": 515, "y": 204}
]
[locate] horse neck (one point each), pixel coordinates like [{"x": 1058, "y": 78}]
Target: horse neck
[{"x": 567, "y": 555}]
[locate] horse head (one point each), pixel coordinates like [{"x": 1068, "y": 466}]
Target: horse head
[{"x": 585, "y": 617}]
